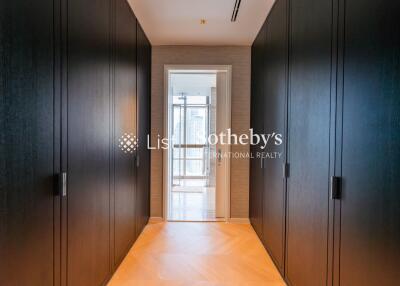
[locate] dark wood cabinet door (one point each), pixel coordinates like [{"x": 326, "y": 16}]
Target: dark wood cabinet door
[
  {"x": 308, "y": 148},
  {"x": 125, "y": 128},
  {"x": 143, "y": 115},
  {"x": 89, "y": 142},
  {"x": 256, "y": 123},
  {"x": 370, "y": 205},
  {"x": 275, "y": 85},
  {"x": 26, "y": 142}
]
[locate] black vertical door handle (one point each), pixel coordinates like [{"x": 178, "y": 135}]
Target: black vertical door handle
[
  {"x": 335, "y": 187},
  {"x": 60, "y": 184}
]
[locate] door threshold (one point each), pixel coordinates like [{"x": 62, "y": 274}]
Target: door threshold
[{"x": 205, "y": 220}]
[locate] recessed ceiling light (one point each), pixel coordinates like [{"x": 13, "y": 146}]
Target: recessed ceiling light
[{"x": 203, "y": 21}]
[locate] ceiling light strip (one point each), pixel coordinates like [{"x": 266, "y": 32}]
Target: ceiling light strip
[{"x": 235, "y": 10}]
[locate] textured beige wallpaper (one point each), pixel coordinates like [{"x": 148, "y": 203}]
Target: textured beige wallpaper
[{"x": 240, "y": 59}]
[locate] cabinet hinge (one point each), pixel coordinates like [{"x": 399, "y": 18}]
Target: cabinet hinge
[{"x": 335, "y": 188}]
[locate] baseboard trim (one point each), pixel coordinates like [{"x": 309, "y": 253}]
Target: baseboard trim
[
  {"x": 156, "y": 219},
  {"x": 239, "y": 220}
]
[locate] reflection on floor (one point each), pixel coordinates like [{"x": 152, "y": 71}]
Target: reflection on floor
[
  {"x": 186, "y": 254},
  {"x": 192, "y": 201}
]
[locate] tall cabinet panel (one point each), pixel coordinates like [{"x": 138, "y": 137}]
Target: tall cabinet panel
[
  {"x": 27, "y": 136},
  {"x": 275, "y": 84},
  {"x": 143, "y": 117},
  {"x": 89, "y": 148},
  {"x": 370, "y": 204},
  {"x": 343, "y": 109},
  {"x": 68, "y": 99},
  {"x": 308, "y": 145},
  {"x": 124, "y": 128},
  {"x": 256, "y": 123}
]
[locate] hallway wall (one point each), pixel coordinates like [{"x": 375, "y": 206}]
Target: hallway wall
[{"x": 239, "y": 58}]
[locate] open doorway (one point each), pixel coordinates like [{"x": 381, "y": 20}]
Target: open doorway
[{"x": 196, "y": 174}]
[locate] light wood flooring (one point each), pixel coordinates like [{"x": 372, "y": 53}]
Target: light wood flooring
[{"x": 197, "y": 254}]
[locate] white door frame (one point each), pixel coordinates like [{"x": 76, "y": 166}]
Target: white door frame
[{"x": 227, "y": 119}]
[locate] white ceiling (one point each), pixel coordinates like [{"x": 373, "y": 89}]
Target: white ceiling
[{"x": 177, "y": 22}]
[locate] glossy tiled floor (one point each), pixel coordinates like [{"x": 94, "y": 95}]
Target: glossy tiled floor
[
  {"x": 194, "y": 254},
  {"x": 192, "y": 200},
  {"x": 192, "y": 205}
]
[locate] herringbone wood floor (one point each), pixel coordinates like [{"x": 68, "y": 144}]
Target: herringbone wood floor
[{"x": 187, "y": 254}]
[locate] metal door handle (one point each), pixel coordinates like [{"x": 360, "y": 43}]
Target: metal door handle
[{"x": 64, "y": 184}]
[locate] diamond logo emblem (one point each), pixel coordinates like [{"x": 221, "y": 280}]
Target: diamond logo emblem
[{"x": 128, "y": 143}]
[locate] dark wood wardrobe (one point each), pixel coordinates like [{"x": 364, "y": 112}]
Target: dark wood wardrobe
[
  {"x": 268, "y": 115},
  {"x": 143, "y": 129},
  {"x": 125, "y": 124},
  {"x": 75, "y": 81},
  {"x": 87, "y": 140},
  {"x": 28, "y": 159},
  {"x": 274, "y": 117},
  {"x": 257, "y": 99},
  {"x": 327, "y": 75},
  {"x": 308, "y": 141}
]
